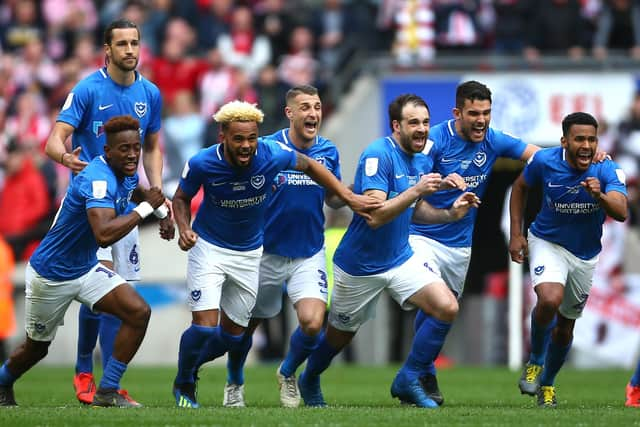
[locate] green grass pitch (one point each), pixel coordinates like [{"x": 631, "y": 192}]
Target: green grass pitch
[{"x": 357, "y": 396}]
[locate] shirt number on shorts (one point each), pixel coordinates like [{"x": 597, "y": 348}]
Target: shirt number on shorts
[
  {"x": 134, "y": 258},
  {"x": 323, "y": 281}
]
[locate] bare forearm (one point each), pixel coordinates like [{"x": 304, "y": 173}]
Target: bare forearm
[
  {"x": 615, "y": 205},
  {"x": 182, "y": 213},
  {"x": 393, "y": 207},
  {"x": 115, "y": 229},
  {"x": 152, "y": 162},
  {"x": 425, "y": 213},
  {"x": 516, "y": 208},
  {"x": 322, "y": 176}
]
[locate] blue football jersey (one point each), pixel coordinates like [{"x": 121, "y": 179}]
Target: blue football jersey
[
  {"x": 294, "y": 222},
  {"x": 569, "y": 216},
  {"x": 69, "y": 249},
  {"x": 473, "y": 162},
  {"x": 363, "y": 250},
  {"x": 232, "y": 211},
  {"x": 97, "y": 98}
]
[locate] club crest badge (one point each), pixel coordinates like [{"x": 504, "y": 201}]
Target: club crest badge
[{"x": 140, "y": 108}]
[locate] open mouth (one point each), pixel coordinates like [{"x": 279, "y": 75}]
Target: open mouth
[
  {"x": 584, "y": 158},
  {"x": 130, "y": 166},
  {"x": 477, "y": 132},
  {"x": 311, "y": 127}
]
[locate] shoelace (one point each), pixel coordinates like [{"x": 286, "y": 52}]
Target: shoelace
[
  {"x": 548, "y": 394},
  {"x": 290, "y": 385},
  {"x": 235, "y": 395},
  {"x": 532, "y": 373}
]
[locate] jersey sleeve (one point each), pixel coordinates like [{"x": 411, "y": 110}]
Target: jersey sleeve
[
  {"x": 533, "y": 169},
  {"x": 376, "y": 166},
  {"x": 508, "y": 145},
  {"x": 75, "y": 105},
  {"x": 613, "y": 178},
  {"x": 192, "y": 176},
  {"x": 282, "y": 155},
  {"x": 97, "y": 191},
  {"x": 335, "y": 163}
]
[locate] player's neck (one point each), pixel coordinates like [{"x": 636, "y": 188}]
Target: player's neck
[
  {"x": 123, "y": 78},
  {"x": 299, "y": 142}
]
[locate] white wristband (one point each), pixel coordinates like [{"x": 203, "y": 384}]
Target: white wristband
[
  {"x": 161, "y": 212},
  {"x": 144, "y": 209}
]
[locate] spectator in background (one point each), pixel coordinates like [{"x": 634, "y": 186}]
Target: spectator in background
[
  {"x": 271, "y": 95},
  {"x": 214, "y": 84},
  {"x": 183, "y": 134},
  {"x": 299, "y": 66},
  {"x": 332, "y": 26},
  {"x": 65, "y": 19},
  {"x": 24, "y": 200},
  {"x": 511, "y": 17},
  {"x": 151, "y": 21},
  {"x": 242, "y": 47},
  {"x": 456, "y": 24},
  {"x": 212, "y": 22},
  {"x": 24, "y": 25},
  {"x": 555, "y": 27},
  {"x": 29, "y": 125},
  {"x": 415, "y": 36},
  {"x": 618, "y": 27},
  {"x": 275, "y": 22},
  {"x": 35, "y": 67}
]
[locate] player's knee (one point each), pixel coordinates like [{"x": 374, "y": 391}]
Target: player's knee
[
  {"x": 549, "y": 302},
  {"x": 449, "y": 311},
  {"x": 141, "y": 315},
  {"x": 311, "y": 326}
]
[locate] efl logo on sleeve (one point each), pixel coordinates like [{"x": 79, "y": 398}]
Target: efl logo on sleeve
[
  {"x": 371, "y": 166},
  {"x": 99, "y": 189}
]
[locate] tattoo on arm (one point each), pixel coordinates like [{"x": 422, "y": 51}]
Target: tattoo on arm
[{"x": 301, "y": 162}]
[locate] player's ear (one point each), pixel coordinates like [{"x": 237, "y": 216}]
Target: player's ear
[
  {"x": 563, "y": 142},
  {"x": 288, "y": 112},
  {"x": 457, "y": 114}
]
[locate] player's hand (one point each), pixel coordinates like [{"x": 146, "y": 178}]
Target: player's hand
[
  {"x": 601, "y": 156},
  {"x": 362, "y": 204},
  {"x": 592, "y": 185},
  {"x": 154, "y": 197},
  {"x": 73, "y": 162},
  {"x": 429, "y": 184},
  {"x": 453, "y": 181},
  {"x": 463, "y": 203},
  {"x": 187, "y": 239},
  {"x": 167, "y": 228},
  {"x": 518, "y": 249}
]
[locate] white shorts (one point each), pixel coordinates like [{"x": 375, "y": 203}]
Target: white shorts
[
  {"x": 551, "y": 263},
  {"x": 304, "y": 278},
  {"x": 219, "y": 278},
  {"x": 47, "y": 300},
  {"x": 125, "y": 256},
  {"x": 354, "y": 298},
  {"x": 451, "y": 264}
]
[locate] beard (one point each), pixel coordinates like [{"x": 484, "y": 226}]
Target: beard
[{"x": 123, "y": 66}]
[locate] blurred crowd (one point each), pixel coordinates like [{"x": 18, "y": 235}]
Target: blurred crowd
[{"x": 203, "y": 53}]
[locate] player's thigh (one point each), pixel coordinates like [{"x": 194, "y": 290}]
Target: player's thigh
[
  {"x": 354, "y": 299},
  {"x": 239, "y": 291},
  {"x": 205, "y": 276},
  {"x": 547, "y": 262},
  {"x": 46, "y": 302},
  {"x": 274, "y": 272},
  {"x": 126, "y": 256},
  {"x": 451, "y": 264},
  {"x": 578, "y": 287},
  {"x": 409, "y": 279},
  {"x": 96, "y": 284},
  {"x": 309, "y": 279}
]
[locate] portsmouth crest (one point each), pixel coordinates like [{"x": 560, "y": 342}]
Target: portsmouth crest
[
  {"x": 257, "y": 181},
  {"x": 140, "y": 108},
  {"x": 480, "y": 158}
]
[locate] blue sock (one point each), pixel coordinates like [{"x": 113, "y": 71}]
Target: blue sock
[
  {"x": 320, "y": 359},
  {"x": 554, "y": 361},
  {"x": 192, "y": 342},
  {"x": 300, "y": 347},
  {"x": 540, "y": 337},
  {"x": 88, "y": 327},
  {"x": 109, "y": 327},
  {"x": 112, "y": 374},
  {"x": 635, "y": 379},
  {"x": 236, "y": 360},
  {"x": 6, "y": 377},
  {"x": 426, "y": 345},
  {"x": 421, "y": 316}
]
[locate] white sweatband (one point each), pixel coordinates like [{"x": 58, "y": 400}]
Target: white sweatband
[
  {"x": 161, "y": 212},
  {"x": 144, "y": 209}
]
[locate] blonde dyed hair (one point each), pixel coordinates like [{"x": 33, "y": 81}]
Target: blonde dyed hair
[{"x": 238, "y": 111}]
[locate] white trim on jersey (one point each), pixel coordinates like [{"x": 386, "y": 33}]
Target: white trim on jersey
[{"x": 451, "y": 128}]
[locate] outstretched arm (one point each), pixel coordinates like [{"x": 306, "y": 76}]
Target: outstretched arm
[
  {"x": 57, "y": 151},
  {"x": 182, "y": 215},
  {"x": 425, "y": 213}
]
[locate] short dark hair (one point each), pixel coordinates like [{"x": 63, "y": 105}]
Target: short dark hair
[
  {"x": 578, "y": 118},
  {"x": 120, "y": 124},
  {"x": 396, "y": 106},
  {"x": 471, "y": 90},
  {"x": 118, "y": 24},
  {"x": 297, "y": 90}
]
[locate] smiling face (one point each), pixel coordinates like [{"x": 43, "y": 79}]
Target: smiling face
[
  {"x": 305, "y": 116},
  {"x": 122, "y": 152},
  {"x": 472, "y": 121},
  {"x": 412, "y": 130},
  {"x": 124, "y": 50},
  {"x": 580, "y": 146},
  {"x": 240, "y": 143}
]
